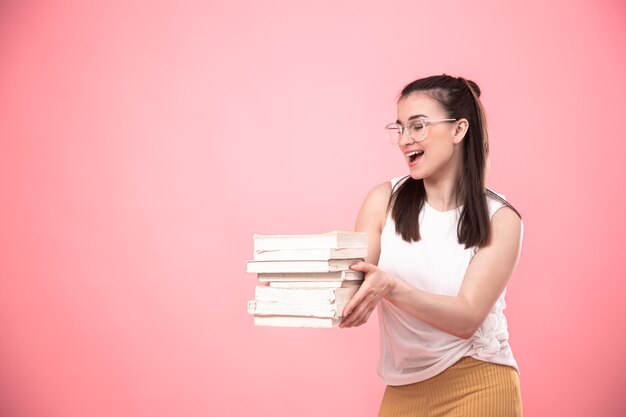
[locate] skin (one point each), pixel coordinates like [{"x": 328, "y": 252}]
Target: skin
[{"x": 491, "y": 267}]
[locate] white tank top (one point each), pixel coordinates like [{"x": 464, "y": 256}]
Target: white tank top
[{"x": 410, "y": 349}]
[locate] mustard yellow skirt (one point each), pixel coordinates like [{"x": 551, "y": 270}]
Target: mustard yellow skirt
[{"x": 469, "y": 388}]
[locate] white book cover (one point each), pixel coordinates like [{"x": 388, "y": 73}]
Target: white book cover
[
  {"x": 348, "y": 275},
  {"x": 333, "y": 240},
  {"x": 304, "y": 296},
  {"x": 300, "y": 266},
  {"x": 309, "y": 254},
  {"x": 279, "y": 309}
]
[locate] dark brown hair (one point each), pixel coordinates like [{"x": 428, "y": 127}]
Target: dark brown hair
[{"x": 460, "y": 100}]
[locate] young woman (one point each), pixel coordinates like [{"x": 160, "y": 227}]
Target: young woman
[{"x": 442, "y": 248}]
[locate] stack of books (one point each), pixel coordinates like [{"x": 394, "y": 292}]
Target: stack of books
[{"x": 306, "y": 279}]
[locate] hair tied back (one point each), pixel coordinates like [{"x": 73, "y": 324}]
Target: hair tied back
[{"x": 471, "y": 86}]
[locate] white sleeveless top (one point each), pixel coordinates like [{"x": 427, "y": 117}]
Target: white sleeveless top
[{"x": 410, "y": 349}]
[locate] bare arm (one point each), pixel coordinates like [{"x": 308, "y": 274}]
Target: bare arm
[
  {"x": 461, "y": 315},
  {"x": 371, "y": 219}
]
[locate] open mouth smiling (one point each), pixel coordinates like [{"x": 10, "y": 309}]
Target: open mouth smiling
[{"x": 412, "y": 156}]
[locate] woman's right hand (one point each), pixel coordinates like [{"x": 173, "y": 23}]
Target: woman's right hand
[{"x": 375, "y": 287}]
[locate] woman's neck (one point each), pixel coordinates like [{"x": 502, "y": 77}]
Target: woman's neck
[{"x": 440, "y": 194}]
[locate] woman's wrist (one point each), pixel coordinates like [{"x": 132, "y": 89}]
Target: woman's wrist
[{"x": 391, "y": 283}]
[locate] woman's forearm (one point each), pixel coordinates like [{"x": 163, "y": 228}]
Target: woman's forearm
[{"x": 451, "y": 314}]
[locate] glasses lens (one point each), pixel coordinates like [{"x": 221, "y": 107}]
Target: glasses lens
[
  {"x": 394, "y": 132},
  {"x": 417, "y": 130}
]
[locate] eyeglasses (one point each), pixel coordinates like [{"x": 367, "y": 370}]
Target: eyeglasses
[{"x": 416, "y": 130}]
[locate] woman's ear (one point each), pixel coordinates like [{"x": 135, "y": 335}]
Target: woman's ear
[{"x": 460, "y": 130}]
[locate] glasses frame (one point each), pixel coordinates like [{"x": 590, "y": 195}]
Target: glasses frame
[{"x": 407, "y": 130}]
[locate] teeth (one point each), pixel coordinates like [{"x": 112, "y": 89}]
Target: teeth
[{"x": 414, "y": 153}]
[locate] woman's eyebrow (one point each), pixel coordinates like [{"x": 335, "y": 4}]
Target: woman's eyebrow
[{"x": 412, "y": 117}]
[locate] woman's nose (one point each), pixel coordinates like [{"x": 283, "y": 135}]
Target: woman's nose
[{"x": 405, "y": 139}]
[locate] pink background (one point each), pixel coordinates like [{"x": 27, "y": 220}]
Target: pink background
[{"x": 143, "y": 143}]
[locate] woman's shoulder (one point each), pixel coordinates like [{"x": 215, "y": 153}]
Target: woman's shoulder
[
  {"x": 372, "y": 218},
  {"x": 380, "y": 194},
  {"x": 378, "y": 198},
  {"x": 374, "y": 208},
  {"x": 496, "y": 201}
]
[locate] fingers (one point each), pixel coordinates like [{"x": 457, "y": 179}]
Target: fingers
[
  {"x": 364, "y": 267},
  {"x": 357, "y": 318},
  {"x": 363, "y": 302},
  {"x": 361, "y": 313},
  {"x": 355, "y": 300},
  {"x": 354, "y": 303},
  {"x": 364, "y": 319}
]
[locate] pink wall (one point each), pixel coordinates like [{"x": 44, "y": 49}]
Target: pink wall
[{"x": 143, "y": 143}]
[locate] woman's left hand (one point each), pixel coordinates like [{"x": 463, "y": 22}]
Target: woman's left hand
[{"x": 375, "y": 287}]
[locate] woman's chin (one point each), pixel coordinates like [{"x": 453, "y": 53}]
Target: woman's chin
[{"x": 416, "y": 174}]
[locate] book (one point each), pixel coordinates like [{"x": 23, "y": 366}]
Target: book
[
  {"x": 304, "y": 296},
  {"x": 321, "y": 254},
  {"x": 307, "y": 278},
  {"x": 300, "y": 266},
  {"x": 334, "y": 310},
  {"x": 314, "y": 284},
  {"x": 330, "y": 240},
  {"x": 295, "y": 321},
  {"x": 347, "y": 275}
]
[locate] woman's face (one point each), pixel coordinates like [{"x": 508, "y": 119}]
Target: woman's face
[{"x": 439, "y": 154}]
